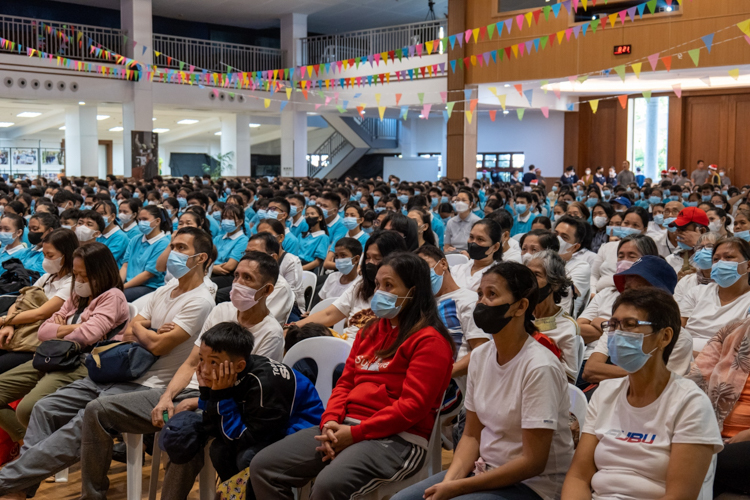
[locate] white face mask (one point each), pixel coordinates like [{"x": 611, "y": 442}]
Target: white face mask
[
  {"x": 564, "y": 245},
  {"x": 461, "y": 206},
  {"x": 600, "y": 222},
  {"x": 52, "y": 266},
  {"x": 85, "y": 233},
  {"x": 125, "y": 218},
  {"x": 82, "y": 289},
  {"x": 557, "y": 217},
  {"x": 715, "y": 226}
]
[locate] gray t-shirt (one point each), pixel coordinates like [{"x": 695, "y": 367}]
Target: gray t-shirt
[
  {"x": 699, "y": 176},
  {"x": 625, "y": 177}
]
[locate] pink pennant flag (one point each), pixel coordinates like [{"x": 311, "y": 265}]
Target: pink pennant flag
[
  {"x": 216, "y": 92},
  {"x": 677, "y": 89},
  {"x": 653, "y": 59},
  {"x": 444, "y": 96},
  {"x": 317, "y": 106},
  {"x": 575, "y": 5},
  {"x": 622, "y": 15},
  {"x": 573, "y": 79},
  {"x": 519, "y": 21},
  {"x": 556, "y": 90},
  {"x": 419, "y": 50},
  {"x": 426, "y": 111},
  {"x": 568, "y": 32},
  {"x": 467, "y": 35},
  {"x": 328, "y": 100},
  {"x": 545, "y": 111}
]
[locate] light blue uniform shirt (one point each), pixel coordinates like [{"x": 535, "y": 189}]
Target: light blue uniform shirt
[
  {"x": 32, "y": 259},
  {"x": 522, "y": 227},
  {"x": 6, "y": 254},
  {"x": 215, "y": 226},
  {"x": 299, "y": 228},
  {"x": 117, "y": 242},
  {"x": 230, "y": 247},
  {"x": 132, "y": 232},
  {"x": 336, "y": 231},
  {"x": 438, "y": 228},
  {"x": 314, "y": 246},
  {"x": 291, "y": 243},
  {"x": 141, "y": 256}
]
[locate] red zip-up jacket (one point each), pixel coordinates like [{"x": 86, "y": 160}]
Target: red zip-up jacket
[{"x": 392, "y": 396}]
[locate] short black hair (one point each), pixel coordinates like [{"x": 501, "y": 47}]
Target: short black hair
[
  {"x": 270, "y": 241},
  {"x": 332, "y": 197},
  {"x": 200, "y": 197},
  {"x": 267, "y": 265},
  {"x": 230, "y": 337},
  {"x": 578, "y": 224},
  {"x": 502, "y": 217},
  {"x": 431, "y": 251},
  {"x": 295, "y": 334},
  {"x": 94, "y": 216},
  {"x": 351, "y": 244},
  {"x": 202, "y": 241},
  {"x": 661, "y": 311}
]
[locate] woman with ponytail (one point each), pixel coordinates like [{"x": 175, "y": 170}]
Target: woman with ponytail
[
  {"x": 139, "y": 272},
  {"x": 524, "y": 451}
]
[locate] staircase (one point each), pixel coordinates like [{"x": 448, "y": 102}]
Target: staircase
[{"x": 352, "y": 138}]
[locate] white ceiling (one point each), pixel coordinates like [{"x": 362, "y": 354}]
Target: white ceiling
[{"x": 325, "y": 16}]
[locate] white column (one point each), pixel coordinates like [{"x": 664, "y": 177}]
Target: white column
[
  {"x": 137, "y": 109},
  {"x": 81, "y": 142},
  {"x": 651, "y": 149},
  {"x": 409, "y": 137},
  {"x": 293, "y": 121},
  {"x": 235, "y": 138}
]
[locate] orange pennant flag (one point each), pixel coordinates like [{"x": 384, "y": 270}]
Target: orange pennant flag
[
  {"x": 519, "y": 88},
  {"x": 623, "y": 100}
]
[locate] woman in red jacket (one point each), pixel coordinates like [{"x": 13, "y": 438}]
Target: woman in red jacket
[{"x": 380, "y": 415}]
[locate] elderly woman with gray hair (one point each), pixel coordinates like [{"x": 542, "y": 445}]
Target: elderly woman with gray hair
[{"x": 551, "y": 319}]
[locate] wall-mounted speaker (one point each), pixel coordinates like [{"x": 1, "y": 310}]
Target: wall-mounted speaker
[
  {"x": 73, "y": 86},
  {"x": 241, "y": 98},
  {"x": 230, "y": 98},
  {"x": 61, "y": 86},
  {"x": 8, "y": 81},
  {"x": 35, "y": 84},
  {"x": 211, "y": 95},
  {"x": 222, "y": 96},
  {"x": 49, "y": 85},
  {"x": 22, "y": 83}
]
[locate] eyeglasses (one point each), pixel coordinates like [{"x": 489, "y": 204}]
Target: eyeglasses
[{"x": 626, "y": 325}]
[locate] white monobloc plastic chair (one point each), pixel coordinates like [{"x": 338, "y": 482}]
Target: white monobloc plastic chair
[
  {"x": 578, "y": 405},
  {"x": 338, "y": 327},
  {"x": 309, "y": 280},
  {"x": 456, "y": 259},
  {"x": 328, "y": 353},
  {"x": 581, "y": 345}
]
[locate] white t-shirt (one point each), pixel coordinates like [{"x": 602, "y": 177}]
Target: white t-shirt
[
  {"x": 188, "y": 311},
  {"x": 632, "y": 456},
  {"x": 514, "y": 252},
  {"x": 281, "y": 300},
  {"x": 599, "y": 307},
  {"x": 533, "y": 392},
  {"x": 55, "y": 288},
  {"x": 268, "y": 334},
  {"x": 679, "y": 359},
  {"x": 333, "y": 287},
  {"x": 684, "y": 286},
  {"x": 356, "y": 310},
  {"x": 463, "y": 277},
  {"x": 579, "y": 271},
  {"x": 564, "y": 330},
  {"x": 290, "y": 268},
  {"x": 706, "y": 315},
  {"x": 604, "y": 266}
]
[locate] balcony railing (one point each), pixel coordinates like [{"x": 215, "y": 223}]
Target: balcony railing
[
  {"x": 326, "y": 153},
  {"x": 329, "y": 48},
  {"x": 34, "y": 33},
  {"x": 214, "y": 56},
  {"x": 379, "y": 129}
]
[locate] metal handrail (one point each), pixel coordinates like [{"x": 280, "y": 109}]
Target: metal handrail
[
  {"x": 214, "y": 56},
  {"x": 329, "y": 48},
  {"x": 330, "y": 148},
  {"x": 30, "y": 33},
  {"x": 379, "y": 129}
]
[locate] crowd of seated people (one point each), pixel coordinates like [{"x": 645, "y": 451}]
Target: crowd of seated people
[{"x": 131, "y": 306}]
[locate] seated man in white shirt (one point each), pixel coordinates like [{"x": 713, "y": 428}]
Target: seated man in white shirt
[
  {"x": 511, "y": 248},
  {"x": 571, "y": 232},
  {"x": 347, "y": 254},
  {"x": 281, "y": 300}
]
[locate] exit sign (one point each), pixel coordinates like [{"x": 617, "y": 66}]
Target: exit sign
[{"x": 621, "y": 50}]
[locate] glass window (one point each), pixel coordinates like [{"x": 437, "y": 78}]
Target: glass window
[
  {"x": 503, "y": 160},
  {"x": 480, "y": 161},
  {"x": 490, "y": 161},
  {"x": 518, "y": 160},
  {"x": 648, "y": 134}
]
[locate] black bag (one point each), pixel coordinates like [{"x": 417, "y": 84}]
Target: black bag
[
  {"x": 57, "y": 355},
  {"x": 12, "y": 280},
  {"x": 114, "y": 361}
]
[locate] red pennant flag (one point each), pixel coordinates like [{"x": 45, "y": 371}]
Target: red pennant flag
[
  {"x": 507, "y": 52},
  {"x": 536, "y": 14},
  {"x": 667, "y": 60},
  {"x": 482, "y": 33},
  {"x": 519, "y": 88},
  {"x": 492, "y": 114},
  {"x": 398, "y": 98},
  {"x": 623, "y": 101}
]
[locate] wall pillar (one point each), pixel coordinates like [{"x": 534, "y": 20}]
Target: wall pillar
[
  {"x": 293, "y": 121},
  {"x": 235, "y": 138},
  {"x": 454, "y": 161},
  {"x": 82, "y": 142}
]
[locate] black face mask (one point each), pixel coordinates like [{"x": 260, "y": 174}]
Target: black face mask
[
  {"x": 35, "y": 237},
  {"x": 311, "y": 221},
  {"x": 544, "y": 292},
  {"x": 491, "y": 319},
  {"x": 371, "y": 270},
  {"x": 477, "y": 252}
]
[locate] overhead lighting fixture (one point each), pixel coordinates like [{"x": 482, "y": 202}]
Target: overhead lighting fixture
[
  {"x": 153, "y": 119},
  {"x": 218, "y": 133},
  {"x": 28, "y": 114},
  {"x": 116, "y": 129},
  {"x": 160, "y": 130},
  {"x": 507, "y": 85},
  {"x": 81, "y": 103},
  {"x": 669, "y": 8},
  {"x": 254, "y": 125},
  {"x": 62, "y": 128},
  {"x": 505, "y": 112},
  {"x": 187, "y": 121},
  {"x": 363, "y": 111},
  {"x": 102, "y": 117},
  {"x": 6, "y": 124}
]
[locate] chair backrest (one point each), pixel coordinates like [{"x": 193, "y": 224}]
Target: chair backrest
[
  {"x": 323, "y": 304},
  {"x": 132, "y": 311},
  {"x": 328, "y": 353},
  {"x": 581, "y": 345},
  {"x": 578, "y": 404},
  {"x": 456, "y": 259},
  {"x": 309, "y": 280}
]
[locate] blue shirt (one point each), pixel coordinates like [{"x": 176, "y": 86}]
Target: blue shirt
[
  {"x": 230, "y": 247},
  {"x": 117, "y": 242},
  {"x": 291, "y": 243},
  {"x": 438, "y": 228},
  {"x": 336, "y": 231},
  {"x": 32, "y": 259},
  {"x": 141, "y": 256},
  {"x": 132, "y": 232},
  {"x": 215, "y": 227},
  {"x": 314, "y": 246},
  {"x": 15, "y": 253},
  {"x": 299, "y": 228},
  {"x": 522, "y": 227},
  {"x": 362, "y": 237}
]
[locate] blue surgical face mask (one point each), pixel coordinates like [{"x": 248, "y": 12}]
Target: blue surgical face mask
[
  {"x": 228, "y": 191},
  {"x": 436, "y": 280},
  {"x": 106, "y": 220},
  {"x": 350, "y": 223},
  {"x": 685, "y": 195},
  {"x": 706, "y": 198},
  {"x": 376, "y": 198},
  {"x": 627, "y": 231},
  {"x": 368, "y": 230},
  {"x": 325, "y": 213},
  {"x": 228, "y": 225},
  {"x": 683, "y": 246},
  {"x": 217, "y": 216},
  {"x": 6, "y": 238},
  {"x": 745, "y": 235},
  {"x": 404, "y": 199},
  {"x": 434, "y": 202},
  {"x": 363, "y": 206},
  {"x": 292, "y": 210},
  {"x": 136, "y": 194},
  {"x": 16, "y": 191},
  {"x": 626, "y": 350},
  {"x": 607, "y": 193},
  {"x": 164, "y": 196},
  {"x": 417, "y": 191},
  {"x": 177, "y": 264},
  {"x": 112, "y": 193},
  {"x": 345, "y": 265},
  {"x": 182, "y": 201},
  {"x": 674, "y": 197},
  {"x": 654, "y": 200},
  {"x": 444, "y": 199},
  {"x": 144, "y": 227},
  {"x": 554, "y": 189},
  {"x": 591, "y": 202},
  {"x": 659, "y": 219},
  {"x": 691, "y": 203},
  {"x": 703, "y": 259},
  {"x": 262, "y": 214},
  {"x": 383, "y": 304},
  {"x": 393, "y": 191},
  {"x": 520, "y": 208},
  {"x": 85, "y": 207},
  {"x": 725, "y": 273},
  {"x": 272, "y": 214},
  {"x": 667, "y": 222}
]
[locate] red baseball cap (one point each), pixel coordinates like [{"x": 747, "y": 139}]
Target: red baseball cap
[{"x": 690, "y": 214}]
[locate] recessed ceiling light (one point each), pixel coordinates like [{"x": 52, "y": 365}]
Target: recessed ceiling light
[
  {"x": 506, "y": 112},
  {"x": 160, "y": 130},
  {"x": 254, "y": 125},
  {"x": 218, "y": 133},
  {"x": 102, "y": 117},
  {"x": 311, "y": 113},
  {"x": 153, "y": 119},
  {"x": 62, "y": 128},
  {"x": 116, "y": 129},
  {"x": 187, "y": 121},
  {"x": 6, "y": 124},
  {"x": 507, "y": 85},
  {"x": 81, "y": 103},
  {"x": 363, "y": 111},
  {"x": 28, "y": 114}
]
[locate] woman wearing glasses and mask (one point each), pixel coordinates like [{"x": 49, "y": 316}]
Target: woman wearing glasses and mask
[{"x": 651, "y": 434}]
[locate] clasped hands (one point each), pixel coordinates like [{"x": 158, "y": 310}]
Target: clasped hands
[{"x": 334, "y": 439}]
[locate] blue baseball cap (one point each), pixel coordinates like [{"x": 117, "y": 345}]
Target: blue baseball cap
[
  {"x": 653, "y": 269},
  {"x": 622, "y": 200},
  {"x": 183, "y": 437}
]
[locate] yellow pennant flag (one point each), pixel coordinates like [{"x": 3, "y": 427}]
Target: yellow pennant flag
[
  {"x": 493, "y": 90},
  {"x": 529, "y": 16},
  {"x": 594, "y": 105},
  {"x": 377, "y": 99},
  {"x": 502, "y": 98},
  {"x": 288, "y": 93},
  {"x": 309, "y": 71},
  {"x": 346, "y": 63},
  {"x": 475, "y": 32},
  {"x": 637, "y": 69},
  {"x": 428, "y": 46},
  {"x": 381, "y": 112},
  {"x": 612, "y": 20},
  {"x": 469, "y": 114},
  {"x": 560, "y": 35},
  {"x": 266, "y": 102},
  {"x": 515, "y": 50},
  {"x": 734, "y": 73},
  {"x": 744, "y": 26},
  {"x": 585, "y": 4},
  {"x": 384, "y": 57},
  {"x": 473, "y": 60},
  {"x": 429, "y": 71}
]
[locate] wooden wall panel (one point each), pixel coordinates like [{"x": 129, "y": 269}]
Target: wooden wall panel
[
  {"x": 674, "y": 133},
  {"x": 602, "y": 137},
  {"x": 740, "y": 171},
  {"x": 703, "y": 138}
]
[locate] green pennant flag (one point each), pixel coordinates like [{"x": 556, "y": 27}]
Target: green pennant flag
[
  {"x": 695, "y": 55},
  {"x": 400, "y": 54},
  {"x": 620, "y": 70},
  {"x": 546, "y": 11},
  {"x": 647, "y": 95},
  {"x": 449, "y": 108},
  {"x": 520, "y": 112},
  {"x": 421, "y": 97},
  {"x": 651, "y": 4},
  {"x": 543, "y": 84},
  {"x": 182, "y": 64},
  {"x": 356, "y": 61},
  {"x": 544, "y": 42},
  {"x": 341, "y": 110},
  {"x": 594, "y": 25},
  {"x": 490, "y": 30},
  {"x": 461, "y": 63}
]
